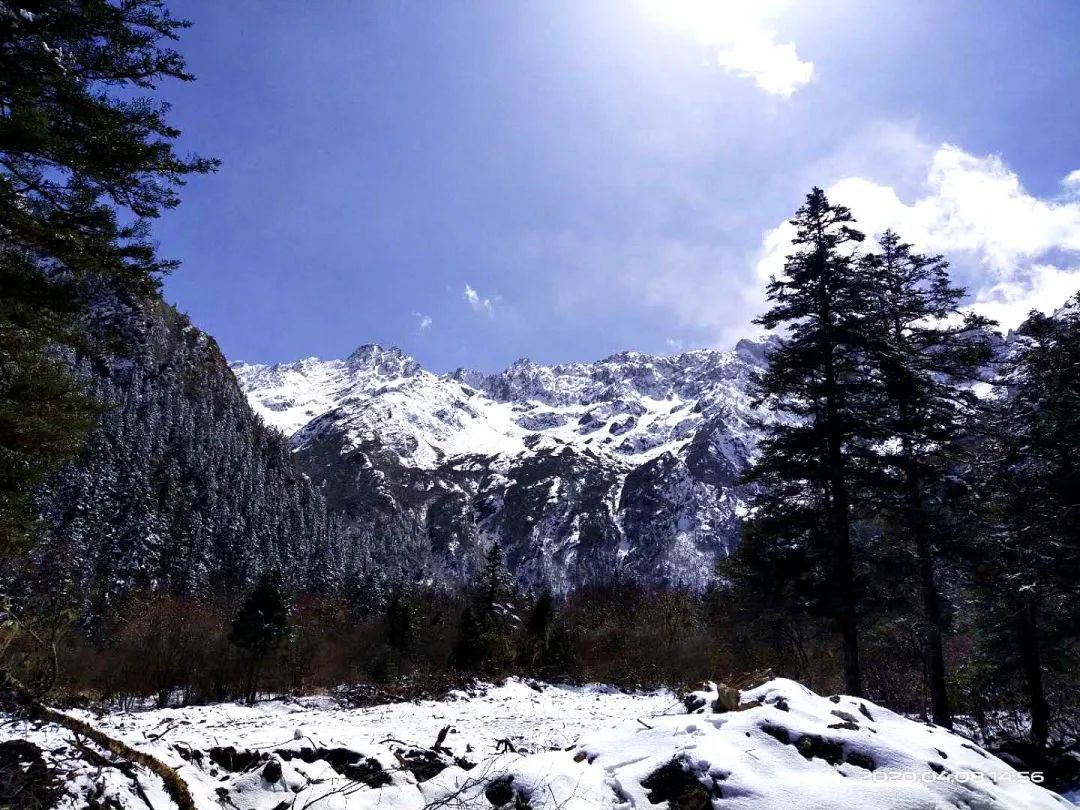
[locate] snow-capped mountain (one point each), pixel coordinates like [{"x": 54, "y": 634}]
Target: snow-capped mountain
[{"x": 584, "y": 471}]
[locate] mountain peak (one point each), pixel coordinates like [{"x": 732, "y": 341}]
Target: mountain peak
[
  {"x": 572, "y": 466},
  {"x": 367, "y": 351},
  {"x": 387, "y": 361}
]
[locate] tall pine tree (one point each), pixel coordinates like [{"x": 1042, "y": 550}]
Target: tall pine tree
[
  {"x": 482, "y": 634},
  {"x": 1024, "y": 551},
  {"x": 261, "y": 626},
  {"x": 921, "y": 356},
  {"x": 86, "y": 162},
  {"x": 815, "y": 387}
]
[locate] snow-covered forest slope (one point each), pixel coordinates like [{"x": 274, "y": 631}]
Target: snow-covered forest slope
[{"x": 179, "y": 486}]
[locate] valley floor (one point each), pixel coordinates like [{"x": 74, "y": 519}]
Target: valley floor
[{"x": 543, "y": 747}]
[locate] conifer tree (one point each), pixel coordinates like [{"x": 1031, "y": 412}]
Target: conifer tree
[
  {"x": 496, "y": 586},
  {"x": 85, "y": 164},
  {"x": 486, "y": 618},
  {"x": 540, "y": 620},
  {"x": 921, "y": 357},
  {"x": 472, "y": 648},
  {"x": 401, "y": 626},
  {"x": 816, "y": 388},
  {"x": 549, "y": 651},
  {"x": 261, "y": 626},
  {"x": 538, "y": 627},
  {"x": 1024, "y": 553}
]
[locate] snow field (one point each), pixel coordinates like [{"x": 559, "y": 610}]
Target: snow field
[{"x": 521, "y": 745}]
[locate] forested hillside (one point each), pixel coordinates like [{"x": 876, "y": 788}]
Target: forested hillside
[{"x": 180, "y": 487}]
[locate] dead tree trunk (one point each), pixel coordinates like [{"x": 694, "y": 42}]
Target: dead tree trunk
[{"x": 175, "y": 787}]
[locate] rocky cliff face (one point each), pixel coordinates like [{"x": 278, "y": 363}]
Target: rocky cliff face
[{"x": 587, "y": 471}]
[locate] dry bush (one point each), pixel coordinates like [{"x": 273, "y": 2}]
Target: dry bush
[
  {"x": 640, "y": 637},
  {"x": 167, "y": 649},
  {"x": 162, "y": 647},
  {"x": 327, "y": 649}
]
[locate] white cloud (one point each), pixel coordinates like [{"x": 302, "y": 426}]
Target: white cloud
[
  {"x": 774, "y": 66},
  {"x": 1011, "y": 249},
  {"x": 1045, "y": 289},
  {"x": 1071, "y": 182},
  {"x": 972, "y": 204},
  {"x": 478, "y": 303},
  {"x": 698, "y": 286},
  {"x": 423, "y": 322},
  {"x": 675, "y": 344},
  {"x": 1006, "y": 245},
  {"x": 743, "y": 45}
]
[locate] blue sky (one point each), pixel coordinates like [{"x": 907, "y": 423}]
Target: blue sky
[{"x": 477, "y": 182}]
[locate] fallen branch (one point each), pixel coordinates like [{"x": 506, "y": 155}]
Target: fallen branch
[
  {"x": 175, "y": 787},
  {"x": 156, "y": 737}
]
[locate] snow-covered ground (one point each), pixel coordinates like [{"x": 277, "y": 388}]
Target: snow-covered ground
[{"x": 547, "y": 748}]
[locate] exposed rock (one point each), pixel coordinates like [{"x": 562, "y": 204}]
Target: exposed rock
[
  {"x": 235, "y": 761},
  {"x": 350, "y": 764},
  {"x": 271, "y": 772},
  {"x": 681, "y": 787},
  {"x": 631, "y": 464}
]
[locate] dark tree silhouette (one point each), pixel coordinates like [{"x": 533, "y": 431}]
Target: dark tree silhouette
[
  {"x": 261, "y": 626},
  {"x": 921, "y": 357},
  {"x": 816, "y": 386},
  {"x": 85, "y": 164}
]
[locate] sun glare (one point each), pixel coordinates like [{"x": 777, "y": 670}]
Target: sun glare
[
  {"x": 745, "y": 43},
  {"x": 711, "y": 21}
]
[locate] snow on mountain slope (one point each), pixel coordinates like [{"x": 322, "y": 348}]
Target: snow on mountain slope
[
  {"x": 581, "y": 470},
  {"x": 382, "y": 392},
  {"x": 545, "y": 748},
  {"x": 630, "y": 406}
]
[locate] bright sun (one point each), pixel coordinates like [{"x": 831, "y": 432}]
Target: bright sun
[{"x": 711, "y": 21}]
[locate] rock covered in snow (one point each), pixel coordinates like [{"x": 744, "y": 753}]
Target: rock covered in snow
[
  {"x": 553, "y": 748},
  {"x": 800, "y": 750}
]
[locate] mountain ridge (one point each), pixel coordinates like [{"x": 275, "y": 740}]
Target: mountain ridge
[
  {"x": 277, "y": 390},
  {"x": 627, "y": 466}
]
